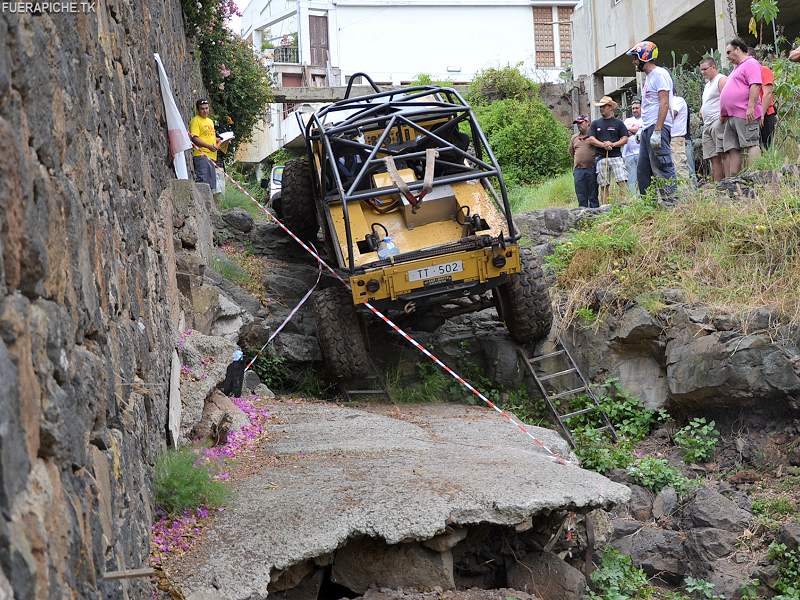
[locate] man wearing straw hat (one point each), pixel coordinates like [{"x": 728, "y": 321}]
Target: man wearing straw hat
[{"x": 608, "y": 135}]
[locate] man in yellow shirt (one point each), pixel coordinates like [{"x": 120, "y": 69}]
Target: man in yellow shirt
[{"x": 206, "y": 143}]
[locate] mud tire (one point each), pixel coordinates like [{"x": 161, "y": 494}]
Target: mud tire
[
  {"x": 339, "y": 333},
  {"x": 297, "y": 199},
  {"x": 524, "y": 302}
]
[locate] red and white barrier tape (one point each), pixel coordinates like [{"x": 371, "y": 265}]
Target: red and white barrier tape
[{"x": 511, "y": 418}]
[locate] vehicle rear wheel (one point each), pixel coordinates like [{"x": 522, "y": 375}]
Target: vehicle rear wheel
[
  {"x": 297, "y": 199},
  {"x": 524, "y": 303},
  {"x": 339, "y": 333}
]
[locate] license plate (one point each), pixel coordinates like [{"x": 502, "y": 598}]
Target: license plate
[{"x": 440, "y": 270}]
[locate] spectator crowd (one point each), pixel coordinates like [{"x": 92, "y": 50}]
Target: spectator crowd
[{"x": 654, "y": 143}]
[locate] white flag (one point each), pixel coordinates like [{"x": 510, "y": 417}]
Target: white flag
[{"x": 178, "y": 136}]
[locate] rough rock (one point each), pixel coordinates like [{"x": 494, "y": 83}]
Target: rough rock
[
  {"x": 708, "y": 544},
  {"x": 689, "y": 359},
  {"x": 461, "y": 594},
  {"x": 239, "y": 219},
  {"x": 204, "y": 361},
  {"x": 251, "y": 380},
  {"x": 723, "y": 368},
  {"x": 546, "y": 575},
  {"x": 623, "y": 527},
  {"x": 657, "y": 551},
  {"x": 641, "y": 503},
  {"x": 441, "y": 466},
  {"x": 220, "y": 417},
  {"x": 365, "y": 563},
  {"x": 307, "y": 588},
  {"x": 709, "y": 508},
  {"x": 665, "y": 503},
  {"x": 789, "y": 534},
  {"x": 303, "y": 349},
  {"x": 446, "y": 541}
]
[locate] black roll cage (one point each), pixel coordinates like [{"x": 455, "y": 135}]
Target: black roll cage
[{"x": 386, "y": 110}]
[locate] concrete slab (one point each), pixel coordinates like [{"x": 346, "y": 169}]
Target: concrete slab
[{"x": 396, "y": 473}]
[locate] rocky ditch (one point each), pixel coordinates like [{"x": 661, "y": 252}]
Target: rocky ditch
[{"x": 681, "y": 357}]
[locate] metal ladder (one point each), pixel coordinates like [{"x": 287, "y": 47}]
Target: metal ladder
[
  {"x": 549, "y": 396},
  {"x": 351, "y": 393}
]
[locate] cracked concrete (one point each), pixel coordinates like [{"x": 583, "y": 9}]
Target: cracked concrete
[{"x": 399, "y": 473}]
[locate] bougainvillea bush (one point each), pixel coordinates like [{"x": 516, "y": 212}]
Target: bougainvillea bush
[{"x": 239, "y": 86}]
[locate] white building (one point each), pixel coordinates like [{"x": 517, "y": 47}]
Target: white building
[{"x": 323, "y": 42}]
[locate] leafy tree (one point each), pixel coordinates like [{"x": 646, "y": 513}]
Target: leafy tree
[
  {"x": 529, "y": 143},
  {"x": 239, "y": 87}
]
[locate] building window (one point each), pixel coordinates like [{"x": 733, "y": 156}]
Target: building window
[
  {"x": 544, "y": 42},
  {"x": 565, "y": 34}
]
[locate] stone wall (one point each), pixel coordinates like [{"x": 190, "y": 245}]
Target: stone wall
[
  {"x": 87, "y": 293},
  {"x": 566, "y": 100}
]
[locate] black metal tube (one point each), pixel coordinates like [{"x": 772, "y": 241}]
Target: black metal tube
[
  {"x": 512, "y": 230},
  {"x": 332, "y": 161},
  {"x": 451, "y": 146},
  {"x": 410, "y": 155},
  {"x": 432, "y": 114},
  {"x": 372, "y": 154},
  {"x": 365, "y": 76},
  {"x": 416, "y": 185}
]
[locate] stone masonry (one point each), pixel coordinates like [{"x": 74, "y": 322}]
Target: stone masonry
[{"x": 88, "y": 302}]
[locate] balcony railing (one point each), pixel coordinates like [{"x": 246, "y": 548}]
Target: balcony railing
[{"x": 286, "y": 54}]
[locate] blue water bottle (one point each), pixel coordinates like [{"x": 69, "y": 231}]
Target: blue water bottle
[{"x": 387, "y": 248}]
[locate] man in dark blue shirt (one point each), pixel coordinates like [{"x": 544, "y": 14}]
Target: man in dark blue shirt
[{"x": 608, "y": 135}]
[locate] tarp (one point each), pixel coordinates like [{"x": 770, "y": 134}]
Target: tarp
[{"x": 178, "y": 136}]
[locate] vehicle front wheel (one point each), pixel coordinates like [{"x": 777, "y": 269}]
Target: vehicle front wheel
[
  {"x": 297, "y": 199},
  {"x": 339, "y": 333},
  {"x": 524, "y": 303}
]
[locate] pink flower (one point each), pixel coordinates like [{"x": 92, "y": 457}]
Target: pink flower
[{"x": 224, "y": 71}]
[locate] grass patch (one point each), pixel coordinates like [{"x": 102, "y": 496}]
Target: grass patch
[
  {"x": 181, "y": 483},
  {"x": 732, "y": 256},
  {"x": 233, "y": 198},
  {"x": 228, "y": 268},
  {"x": 553, "y": 193},
  {"x": 238, "y": 265}
]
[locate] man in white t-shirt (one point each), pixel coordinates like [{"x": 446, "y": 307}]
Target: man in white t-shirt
[
  {"x": 713, "y": 149},
  {"x": 630, "y": 153},
  {"x": 680, "y": 138},
  {"x": 655, "y": 153}
]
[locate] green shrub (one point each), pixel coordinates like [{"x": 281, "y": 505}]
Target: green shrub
[
  {"x": 181, "y": 483},
  {"x": 788, "y": 562},
  {"x": 239, "y": 87},
  {"x": 271, "y": 369},
  {"x": 617, "y": 579},
  {"x": 701, "y": 589},
  {"x": 431, "y": 385},
  {"x": 598, "y": 453},
  {"x": 655, "y": 474},
  {"x": 501, "y": 83},
  {"x": 697, "y": 440},
  {"x": 529, "y": 143}
]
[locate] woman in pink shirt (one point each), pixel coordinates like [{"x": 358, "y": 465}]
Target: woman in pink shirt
[{"x": 740, "y": 107}]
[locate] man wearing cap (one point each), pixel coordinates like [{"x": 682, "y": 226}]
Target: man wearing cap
[
  {"x": 583, "y": 164},
  {"x": 206, "y": 143},
  {"x": 630, "y": 153},
  {"x": 608, "y": 135},
  {"x": 655, "y": 154}
]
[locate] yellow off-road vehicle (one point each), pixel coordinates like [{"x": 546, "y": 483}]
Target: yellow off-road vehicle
[{"x": 401, "y": 184}]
